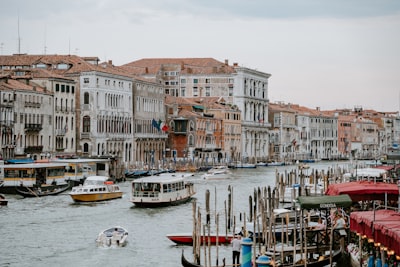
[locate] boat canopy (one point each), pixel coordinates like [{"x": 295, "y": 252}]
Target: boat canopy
[
  {"x": 364, "y": 190},
  {"x": 320, "y": 202},
  {"x": 20, "y": 161},
  {"x": 380, "y": 225}
]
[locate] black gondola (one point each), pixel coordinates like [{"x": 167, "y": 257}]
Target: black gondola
[
  {"x": 318, "y": 263},
  {"x": 186, "y": 263},
  {"x": 40, "y": 192}
]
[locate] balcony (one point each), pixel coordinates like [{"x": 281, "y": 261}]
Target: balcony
[
  {"x": 32, "y": 105},
  {"x": 33, "y": 127},
  {"x": 33, "y": 149},
  {"x": 60, "y": 132},
  {"x": 85, "y": 135}
]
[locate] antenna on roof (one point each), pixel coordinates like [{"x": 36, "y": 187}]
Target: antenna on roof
[
  {"x": 19, "y": 38},
  {"x": 45, "y": 47}
]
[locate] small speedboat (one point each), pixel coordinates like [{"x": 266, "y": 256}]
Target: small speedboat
[
  {"x": 114, "y": 236},
  {"x": 217, "y": 172}
]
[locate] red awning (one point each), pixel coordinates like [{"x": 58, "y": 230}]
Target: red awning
[
  {"x": 364, "y": 190},
  {"x": 382, "y": 226}
]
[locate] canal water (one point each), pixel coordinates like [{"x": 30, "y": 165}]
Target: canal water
[{"x": 54, "y": 231}]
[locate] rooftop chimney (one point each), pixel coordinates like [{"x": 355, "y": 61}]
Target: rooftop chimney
[{"x": 226, "y": 62}]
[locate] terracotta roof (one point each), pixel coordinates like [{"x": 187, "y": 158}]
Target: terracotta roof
[
  {"x": 77, "y": 64},
  {"x": 12, "y": 84},
  {"x": 152, "y": 66}
]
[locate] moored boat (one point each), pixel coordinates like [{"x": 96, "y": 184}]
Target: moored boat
[
  {"x": 186, "y": 263},
  {"x": 96, "y": 188},
  {"x": 3, "y": 200},
  {"x": 162, "y": 190},
  {"x": 217, "y": 172},
  {"x": 187, "y": 238},
  {"x": 41, "y": 191},
  {"x": 114, "y": 236}
]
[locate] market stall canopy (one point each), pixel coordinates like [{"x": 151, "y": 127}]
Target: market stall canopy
[
  {"x": 380, "y": 225},
  {"x": 364, "y": 190},
  {"x": 321, "y": 202}
]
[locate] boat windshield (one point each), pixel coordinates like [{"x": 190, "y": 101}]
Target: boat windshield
[
  {"x": 153, "y": 187},
  {"x": 93, "y": 182}
]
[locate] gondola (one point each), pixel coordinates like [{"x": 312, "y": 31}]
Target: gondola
[
  {"x": 186, "y": 263},
  {"x": 319, "y": 263},
  {"x": 41, "y": 192}
]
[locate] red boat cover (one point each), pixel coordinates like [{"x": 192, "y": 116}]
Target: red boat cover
[
  {"x": 364, "y": 190},
  {"x": 383, "y": 226}
]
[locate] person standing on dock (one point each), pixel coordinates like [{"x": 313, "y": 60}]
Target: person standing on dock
[{"x": 236, "y": 244}]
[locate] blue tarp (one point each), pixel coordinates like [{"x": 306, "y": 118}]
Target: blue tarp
[{"x": 20, "y": 161}]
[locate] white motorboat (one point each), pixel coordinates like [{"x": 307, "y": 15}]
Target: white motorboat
[
  {"x": 96, "y": 188},
  {"x": 114, "y": 236},
  {"x": 217, "y": 172}
]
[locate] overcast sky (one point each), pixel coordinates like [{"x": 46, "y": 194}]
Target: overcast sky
[{"x": 320, "y": 53}]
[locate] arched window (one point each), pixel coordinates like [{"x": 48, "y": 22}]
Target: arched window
[
  {"x": 86, "y": 98},
  {"x": 85, "y": 148},
  {"x": 86, "y": 124}
]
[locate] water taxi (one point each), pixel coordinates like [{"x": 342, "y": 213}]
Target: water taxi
[
  {"x": 164, "y": 189},
  {"x": 95, "y": 188}
]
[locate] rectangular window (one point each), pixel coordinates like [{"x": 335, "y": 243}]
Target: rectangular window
[
  {"x": 183, "y": 91},
  {"x": 195, "y": 91},
  {"x": 67, "y": 88},
  {"x": 57, "y": 87},
  {"x": 207, "y": 80},
  {"x": 208, "y": 91},
  {"x": 85, "y": 80},
  {"x": 62, "y": 88},
  {"x": 195, "y": 80},
  {"x": 183, "y": 80}
]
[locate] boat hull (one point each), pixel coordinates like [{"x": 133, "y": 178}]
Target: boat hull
[
  {"x": 96, "y": 197},
  {"x": 187, "y": 239},
  {"x": 34, "y": 192},
  {"x": 146, "y": 203}
]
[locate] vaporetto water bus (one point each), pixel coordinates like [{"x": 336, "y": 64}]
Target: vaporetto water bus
[
  {"x": 31, "y": 175},
  {"x": 164, "y": 189}
]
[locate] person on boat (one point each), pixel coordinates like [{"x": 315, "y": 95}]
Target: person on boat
[
  {"x": 116, "y": 236},
  {"x": 236, "y": 250},
  {"x": 340, "y": 223}
]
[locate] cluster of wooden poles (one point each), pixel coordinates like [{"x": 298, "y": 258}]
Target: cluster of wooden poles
[{"x": 262, "y": 204}]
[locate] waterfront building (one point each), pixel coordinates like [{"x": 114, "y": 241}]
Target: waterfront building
[
  {"x": 213, "y": 129},
  {"x": 301, "y": 133},
  {"x": 150, "y": 131},
  {"x": 284, "y": 136},
  {"x": 28, "y": 119},
  {"x": 63, "y": 138},
  {"x": 7, "y": 110},
  {"x": 195, "y": 135},
  {"x": 242, "y": 87}
]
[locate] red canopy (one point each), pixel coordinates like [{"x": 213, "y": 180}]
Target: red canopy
[
  {"x": 364, "y": 190},
  {"x": 382, "y": 226}
]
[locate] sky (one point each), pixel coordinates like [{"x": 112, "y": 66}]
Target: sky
[{"x": 320, "y": 53}]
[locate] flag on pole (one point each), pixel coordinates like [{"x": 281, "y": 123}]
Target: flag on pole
[
  {"x": 155, "y": 124},
  {"x": 164, "y": 126}
]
